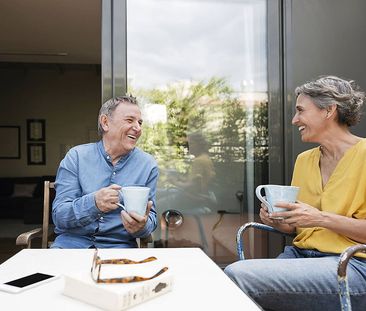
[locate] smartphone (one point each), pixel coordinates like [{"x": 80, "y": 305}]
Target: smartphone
[{"x": 26, "y": 282}]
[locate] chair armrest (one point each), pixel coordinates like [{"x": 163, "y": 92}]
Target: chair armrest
[
  {"x": 344, "y": 258},
  {"x": 255, "y": 225},
  {"x": 25, "y": 239}
]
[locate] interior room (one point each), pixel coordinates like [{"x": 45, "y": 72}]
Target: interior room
[{"x": 50, "y": 72}]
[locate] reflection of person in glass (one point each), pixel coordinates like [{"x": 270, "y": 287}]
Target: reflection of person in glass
[
  {"x": 85, "y": 210},
  {"x": 330, "y": 214},
  {"x": 195, "y": 188}
]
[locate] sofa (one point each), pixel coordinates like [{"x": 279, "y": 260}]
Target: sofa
[{"x": 22, "y": 198}]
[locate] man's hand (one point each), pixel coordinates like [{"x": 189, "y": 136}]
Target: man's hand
[
  {"x": 106, "y": 198},
  {"x": 134, "y": 222}
]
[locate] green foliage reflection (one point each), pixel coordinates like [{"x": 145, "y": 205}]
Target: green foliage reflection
[{"x": 227, "y": 119}]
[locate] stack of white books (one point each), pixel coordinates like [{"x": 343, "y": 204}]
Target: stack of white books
[{"x": 119, "y": 296}]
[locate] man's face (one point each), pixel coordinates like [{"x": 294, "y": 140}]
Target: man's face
[{"x": 123, "y": 128}]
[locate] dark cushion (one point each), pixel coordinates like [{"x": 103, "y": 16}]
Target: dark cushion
[
  {"x": 11, "y": 207},
  {"x": 6, "y": 188},
  {"x": 33, "y": 211}
]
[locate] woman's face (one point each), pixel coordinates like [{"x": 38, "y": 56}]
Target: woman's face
[{"x": 310, "y": 120}]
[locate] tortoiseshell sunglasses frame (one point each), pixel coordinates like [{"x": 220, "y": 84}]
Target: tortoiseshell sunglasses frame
[{"x": 97, "y": 264}]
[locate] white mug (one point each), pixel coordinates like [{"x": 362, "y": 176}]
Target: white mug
[
  {"x": 276, "y": 193},
  {"x": 135, "y": 199}
]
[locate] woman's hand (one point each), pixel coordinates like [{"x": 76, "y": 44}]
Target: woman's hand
[
  {"x": 264, "y": 215},
  {"x": 275, "y": 223},
  {"x": 303, "y": 215},
  {"x": 299, "y": 214}
]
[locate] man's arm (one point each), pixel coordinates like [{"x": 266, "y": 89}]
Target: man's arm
[{"x": 72, "y": 209}]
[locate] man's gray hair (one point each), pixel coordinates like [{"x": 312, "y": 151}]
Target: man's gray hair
[
  {"x": 329, "y": 90},
  {"x": 110, "y": 106}
]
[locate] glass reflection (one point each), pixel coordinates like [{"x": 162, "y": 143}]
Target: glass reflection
[{"x": 200, "y": 70}]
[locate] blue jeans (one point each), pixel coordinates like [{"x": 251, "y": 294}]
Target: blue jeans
[{"x": 299, "y": 279}]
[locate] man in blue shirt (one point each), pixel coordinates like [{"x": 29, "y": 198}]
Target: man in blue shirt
[{"x": 90, "y": 176}]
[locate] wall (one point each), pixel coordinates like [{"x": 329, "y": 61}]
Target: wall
[
  {"x": 324, "y": 37},
  {"x": 68, "y": 97}
]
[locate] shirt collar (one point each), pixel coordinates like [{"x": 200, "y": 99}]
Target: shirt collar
[{"x": 107, "y": 157}]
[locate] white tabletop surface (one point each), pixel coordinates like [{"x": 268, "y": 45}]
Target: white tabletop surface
[{"x": 199, "y": 284}]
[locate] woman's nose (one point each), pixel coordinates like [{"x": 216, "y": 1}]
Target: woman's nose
[{"x": 295, "y": 119}]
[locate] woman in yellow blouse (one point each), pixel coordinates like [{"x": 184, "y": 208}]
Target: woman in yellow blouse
[{"x": 330, "y": 213}]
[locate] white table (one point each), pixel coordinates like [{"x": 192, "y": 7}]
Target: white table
[{"x": 199, "y": 284}]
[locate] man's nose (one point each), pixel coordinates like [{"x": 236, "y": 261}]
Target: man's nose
[{"x": 137, "y": 126}]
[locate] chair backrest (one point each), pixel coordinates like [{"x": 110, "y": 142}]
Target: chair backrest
[{"x": 48, "y": 185}]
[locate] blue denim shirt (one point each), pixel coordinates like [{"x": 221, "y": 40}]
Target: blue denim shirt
[{"x": 84, "y": 170}]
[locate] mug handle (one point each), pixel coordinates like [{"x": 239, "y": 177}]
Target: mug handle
[
  {"x": 121, "y": 206},
  {"x": 120, "y": 195},
  {"x": 262, "y": 198}
]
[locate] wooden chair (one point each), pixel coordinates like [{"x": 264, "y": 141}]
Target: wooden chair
[
  {"x": 344, "y": 258},
  {"x": 46, "y": 232},
  {"x": 25, "y": 239}
]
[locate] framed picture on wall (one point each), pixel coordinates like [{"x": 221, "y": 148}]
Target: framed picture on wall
[
  {"x": 10, "y": 142},
  {"x": 36, "y": 129},
  {"x": 36, "y": 153}
]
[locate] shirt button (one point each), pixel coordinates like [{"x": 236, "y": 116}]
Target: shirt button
[
  {"x": 108, "y": 157},
  {"x": 114, "y": 173},
  {"x": 101, "y": 218}
]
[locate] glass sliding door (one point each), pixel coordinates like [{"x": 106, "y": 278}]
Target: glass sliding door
[{"x": 199, "y": 69}]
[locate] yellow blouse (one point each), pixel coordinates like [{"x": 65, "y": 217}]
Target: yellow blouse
[{"x": 344, "y": 194}]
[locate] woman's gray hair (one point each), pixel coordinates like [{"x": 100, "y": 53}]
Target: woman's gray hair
[
  {"x": 329, "y": 90},
  {"x": 110, "y": 106}
]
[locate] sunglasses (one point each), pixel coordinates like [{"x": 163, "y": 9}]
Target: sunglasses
[{"x": 97, "y": 264}]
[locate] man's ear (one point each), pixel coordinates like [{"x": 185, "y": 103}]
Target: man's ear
[{"x": 104, "y": 122}]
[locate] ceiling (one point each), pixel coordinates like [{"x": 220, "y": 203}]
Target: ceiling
[{"x": 50, "y": 31}]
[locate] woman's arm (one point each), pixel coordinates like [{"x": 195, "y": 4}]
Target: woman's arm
[{"x": 305, "y": 216}]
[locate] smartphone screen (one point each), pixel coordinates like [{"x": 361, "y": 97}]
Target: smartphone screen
[{"x": 29, "y": 280}]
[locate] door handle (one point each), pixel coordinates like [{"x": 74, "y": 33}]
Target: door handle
[{"x": 239, "y": 195}]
